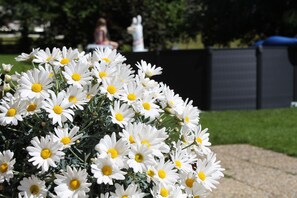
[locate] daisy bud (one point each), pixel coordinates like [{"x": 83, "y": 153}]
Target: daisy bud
[
  {"x": 7, "y": 78},
  {"x": 6, "y": 87},
  {"x": 77, "y": 141},
  {"x": 43, "y": 124},
  {"x": 7, "y": 67}
]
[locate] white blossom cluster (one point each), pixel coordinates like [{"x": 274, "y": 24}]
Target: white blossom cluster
[{"x": 155, "y": 146}]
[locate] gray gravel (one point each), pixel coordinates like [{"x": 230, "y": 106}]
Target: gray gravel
[{"x": 255, "y": 172}]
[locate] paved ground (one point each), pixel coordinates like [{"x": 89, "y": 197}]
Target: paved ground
[{"x": 252, "y": 172}]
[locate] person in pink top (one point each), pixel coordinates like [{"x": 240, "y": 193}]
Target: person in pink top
[{"x": 101, "y": 34}]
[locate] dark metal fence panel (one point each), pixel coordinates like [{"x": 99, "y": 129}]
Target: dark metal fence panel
[
  {"x": 185, "y": 71},
  {"x": 233, "y": 79},
  {"x": 275, "y": 77}
]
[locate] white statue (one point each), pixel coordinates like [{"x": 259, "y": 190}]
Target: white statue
[{"x": 136, "y": 30}]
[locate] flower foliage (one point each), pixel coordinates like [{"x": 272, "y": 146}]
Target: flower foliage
[{"x": 79, "y": 125}]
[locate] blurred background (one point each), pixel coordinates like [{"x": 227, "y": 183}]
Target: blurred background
[{"x": 167, "y": 23}]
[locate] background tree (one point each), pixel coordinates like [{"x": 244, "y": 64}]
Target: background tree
[{"x": 221, "y": 21}]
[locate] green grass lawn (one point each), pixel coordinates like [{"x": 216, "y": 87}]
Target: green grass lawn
[
  {"x": 274, "y": 129},
  {"x": 18, "y": 66}
]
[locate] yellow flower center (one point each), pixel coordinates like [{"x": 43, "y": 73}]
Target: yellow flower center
[
  {"x": 131, "y": 139},
  {"x": 187, "y": 119},
  {"x": 197, "y": 196},
  {"x": 106, "y": 60},
  {"x": 178, "y": 163},
  {"x": 64, "y": 61},
  {"x": 48, "y": 58},
  {"x": 58, "y": 109},
  {"x": 34, "y": 189},
  {"x": 111, "y": 89},
  {"x": 146, "y": 142},
  {"x": 150, "y": 173},
  {"x": 89, "y": 96},
  {"x": 201, "y": 175},
  {"x": 162, "y": 174},
  {"x": 50, "y": 74},
  {"x": 31, "y": 107},
  {"x": 72, "y": 99},
  {"x": 11, "y": 112},
  {"x": 119, "y": 117},
  {"x": 113, "y": 152},
  {"x": 199, "y": 140},
  {"x": 102, "y": 74},
  {"x": 146, "y": 106},
  {"x": 106, "y": 170},
  {"x": 190, "y": 182},
  {"x": 164, "y": 192},
  {"x": 66, "y": 140},
  {"x": 74, "y": 184},
  {"x": 46, "y": 153},
  {"x": 36, "y": 87},
  {"x": 125, "y": 196},
  {"x": 139, "y": 157},
  {"x": 3, "y": 167},
  {"x": 75, "y": 76},
  {"x": 183, "y": 139},
  {"x": 131, "y": 96}
]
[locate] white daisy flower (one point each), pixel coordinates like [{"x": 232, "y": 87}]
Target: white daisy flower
[
  {"x": 189, "y": 180},
  {"x": 35, "y": 84},
  {"x": 66, "y": 137},
  {"x": 112, "y": 87},
  {"x": 202, "y": 140},
  {"x": 147, "y": 83},
  {"x": 76, "y": 96},
  {"x": 11, "y": 112},
  {"x": 172, "y": 101},
  {"x": 103, "y": 71},
  {"x": 32, "y": 187},
  {"x": 57, "y": 108},
  {"x": 77, "y": 74},
  {"x": 140, "y": 157},
  {"x": 148, "y": 69},
  {"x": 45, "y": 57},
  {"x": 153, "y": 138},
  {"x": 121, "y": 114},
  {"x": 108, "y": 55},
  {"x": 66, "y": 56},
  {"x": 200, "y": 191},
  {"x": 165, "y": 173},
  {"x": 146, "y": 107},
  {"x": 106, "y": 195},
  {"x": 6, "y": 165},
  {"x": 168, "y": 191},
  {"x": 124, "y": 73},
  {"x": 6, "y": 67},
  {"x": 27, "y": 57},
  {"x": 205, "y": 174},
  {"x": 131, "y": 92},
  {"x": 190, "y": 117},
  {"x": 33, "y": 105},
  {"x": 182, "y": 159},
  {"x": 105, "y": 171},
  {"x": 72, "y": 183},
  {"x": 91, "y": 91},
  {"x": 116, "y": 150},
  {"x": 130, "y": 192},
  {"x": 130, "y": 131},
  {"x": 45, "y": 152}
]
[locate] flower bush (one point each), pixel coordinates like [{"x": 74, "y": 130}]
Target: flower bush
[{"x": 88, "y": 125}]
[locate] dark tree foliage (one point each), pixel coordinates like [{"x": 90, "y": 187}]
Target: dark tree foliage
[
  {"x": 162, "y": 20},
  {"x": 221, "y": 21}
]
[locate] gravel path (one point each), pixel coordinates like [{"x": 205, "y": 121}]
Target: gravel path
[{"x": 252, "y": 172}]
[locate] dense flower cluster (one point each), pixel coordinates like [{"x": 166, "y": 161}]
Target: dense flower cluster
[{"x": 79, "y": 125}]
